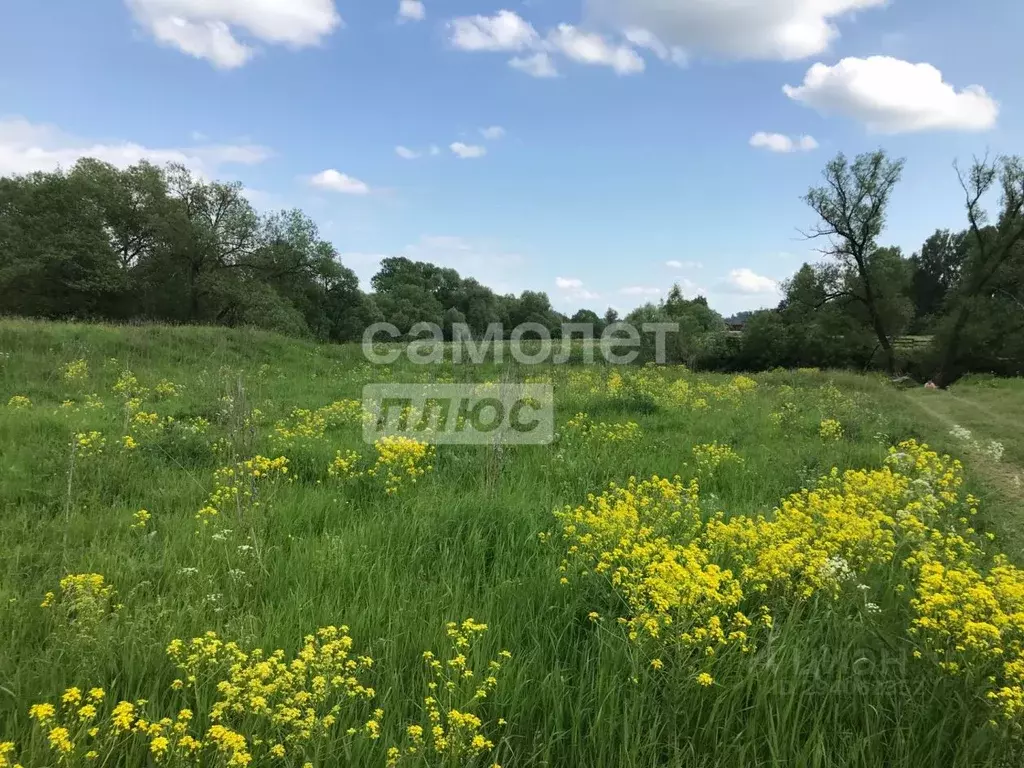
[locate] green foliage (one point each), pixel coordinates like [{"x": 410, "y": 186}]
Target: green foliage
[
  {"x": 833, "y": 684},
  {"x": 851, "y": 207},
  {"x": 162, "y": 244}
]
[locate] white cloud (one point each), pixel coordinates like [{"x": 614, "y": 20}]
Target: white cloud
[
  {"x": 745, "y": 280},
  {"x": 676, "y": 264},
  {"x": 643, "y": 38},
  {"x": 406, "y": 154},
  {"x": 493, "y": 133},
  {"x": 335, "y": 181},
  {"x": 572, "y": 288},
  {"x": 777, "y": 142},
  {"x": 537, "y": 65},
  {"x": 207, "y": 29},
  {"x": 640, "y": 290},
  {"x": 894, "y": 96},
  {"x": 467, "y": 151},
  {"x": 740, "y": 29},
  {"x": 411, "y": 10},
  {"x": 593, "y": 49},
  {"x": 505, "y": 31},
  {"x": 26, "y": 147}
]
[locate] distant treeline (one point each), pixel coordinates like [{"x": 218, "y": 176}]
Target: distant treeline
[{"x": 160, "y": 244}]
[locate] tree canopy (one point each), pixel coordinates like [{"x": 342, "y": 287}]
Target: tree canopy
[{"x": 163, "y": 244}]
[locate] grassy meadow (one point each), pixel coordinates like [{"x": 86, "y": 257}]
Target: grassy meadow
[{"x": 680, "y": 579}]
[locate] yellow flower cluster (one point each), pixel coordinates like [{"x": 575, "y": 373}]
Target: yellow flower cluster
[
  {"x": 710, "y": 456},
  {"x": 6, "y": 750},
  {"x": 86, "y": 444},
  {"x": 830, "y": 429},
  {"x": 345, "y": 465},
  {"x": 743, "y": 384},
  {"x": 236, "y": 486},
  {"x": 696, "y": 584},
  {"x": 166, "y": 389},
  {"x": 145, "y": 424},
  {"x": 75, "y": 371},
  {"x": 453, "y": 730},
  {"x": 643, "y": 538},
  {"x": 92, "y": 402},
  {"x": 19, "y": 402},
  {"x": 651, "y": 384},
  {"x": 305, "y": 424},
  {"x": 261, "y": 708},
  {"x": 287, "y": 705},
  {"x": 615, "y": 383},
  {"x": 400, "y": 461},
  {"x": 86, "y": 728},
  {"x": 786, "y": 413},
  {"x": 85, "y": 600},
  {"x": 582, "y": 431},
  {"x": 141, "y": 520},
  {"x": 128, "y": 388},
  {"x": 968, "y": 607}
]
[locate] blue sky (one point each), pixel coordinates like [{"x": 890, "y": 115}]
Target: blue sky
[{"x": 628, "y": 168}]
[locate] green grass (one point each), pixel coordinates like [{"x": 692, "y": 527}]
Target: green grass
[{"x": 830, "y": 689}]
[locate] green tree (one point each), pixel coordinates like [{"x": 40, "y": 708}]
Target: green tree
[
  {"x": 996, "y": 251},
  {"x": 209, "y": 233},
  {"x": 851, "y": 207},
  {"x": 936, "y": 269},
  {"x": 56, "y": 258}
]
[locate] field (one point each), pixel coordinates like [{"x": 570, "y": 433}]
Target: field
[{"x": 681, "y": 579}]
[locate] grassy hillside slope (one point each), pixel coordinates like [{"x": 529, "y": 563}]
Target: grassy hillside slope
[{"x": 98, "y": 423}]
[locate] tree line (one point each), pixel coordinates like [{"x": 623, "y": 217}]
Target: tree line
[{"x": 163, "y": 244}]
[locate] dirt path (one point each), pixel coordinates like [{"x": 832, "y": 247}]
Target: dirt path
[
  {"x": 1004, "y": 478},
  {"x": 994, "y": 415}
]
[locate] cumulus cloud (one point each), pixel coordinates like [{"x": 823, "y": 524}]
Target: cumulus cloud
[
  {"x": 777, "y": 142},
  {"x": 411, "y": 10},
  {"x": 335, "y": 181},
  {"x": 26, "y": 147},
  {"x": 508, "y": 32},
  {"x": 405, "y": 153},
  {"x": 745, "y": 280},
  {"x": 537, "y": 65},
  {"x": 643, "y": 38},
  {"x": 505, "y": 31},
  {"x": 492, "y": 133},
  {"x": 572, "y": 288},
  {"x": 467, "y": 151},
  {"x": 208, "y": 29},
  {"x": 894, "y": 96},
  {"x": 593, "y": 49},
  {"x": 676, "y": 264},
  {"x": 739, "y": 29}
]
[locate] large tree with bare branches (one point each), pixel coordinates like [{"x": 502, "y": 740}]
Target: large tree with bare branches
[
  {"x": 851, "y": 208},
  {"x": 994, "y": 249}
]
